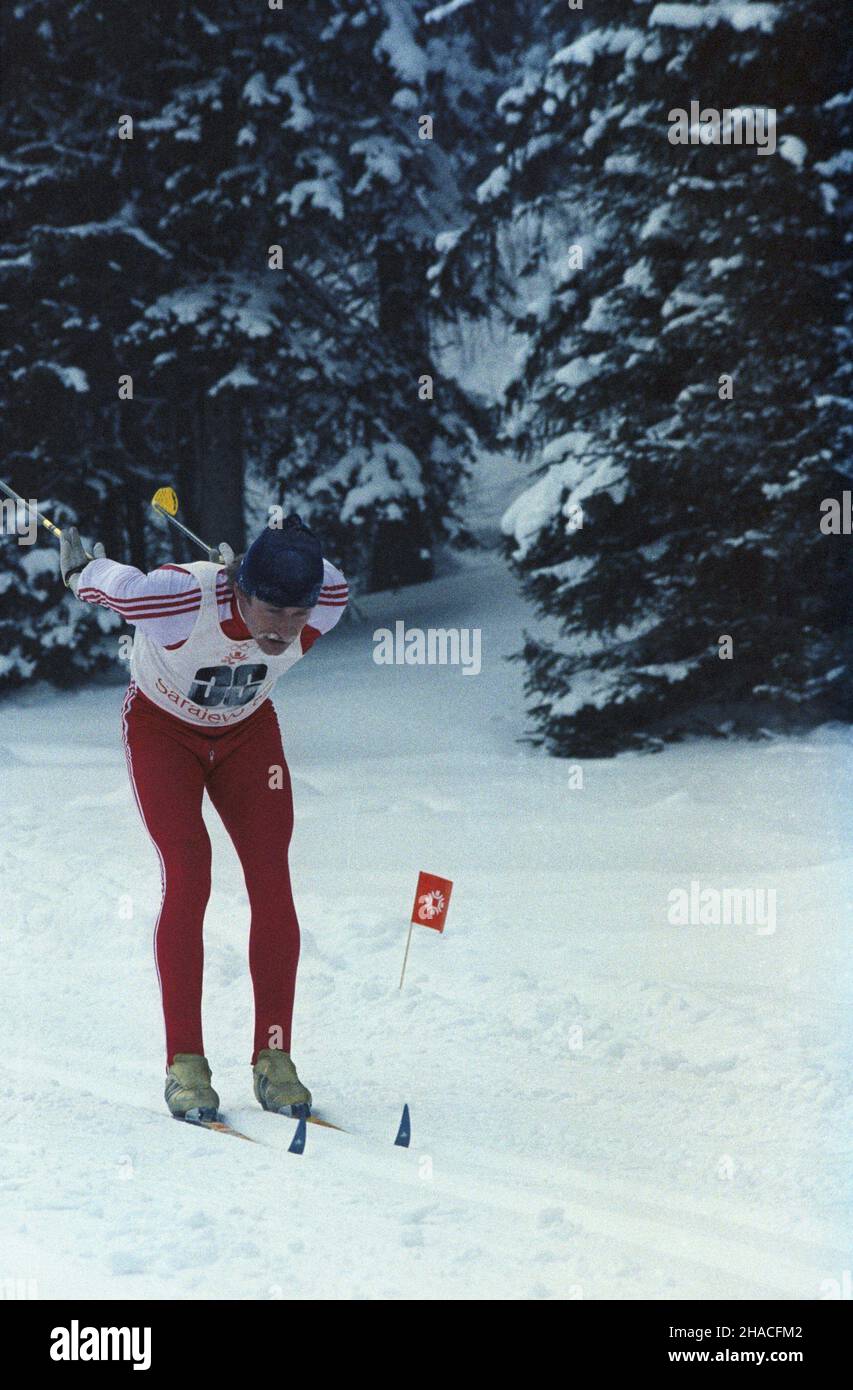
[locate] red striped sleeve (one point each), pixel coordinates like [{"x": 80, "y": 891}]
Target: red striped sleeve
[
  {"x": 331, "y": 602},
  {"x": 165, "y": 602}
]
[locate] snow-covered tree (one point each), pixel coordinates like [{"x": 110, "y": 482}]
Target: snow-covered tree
[
  {"x": 303, "y": 200},
  {"x": 71, "y": 252},
  {"x": 684, "y": 391},
  {"x": 215, "y": 241}
]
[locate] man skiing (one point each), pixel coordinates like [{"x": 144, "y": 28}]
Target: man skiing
[{"x": 210, "y": 642}]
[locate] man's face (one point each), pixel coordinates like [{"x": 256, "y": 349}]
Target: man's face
[{"x": 272, "y": 628}]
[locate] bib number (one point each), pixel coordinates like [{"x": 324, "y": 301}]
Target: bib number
[{"x": 227, "y": 685}]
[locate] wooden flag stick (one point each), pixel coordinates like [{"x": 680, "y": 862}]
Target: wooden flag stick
[{"x": 406, "y": 956}]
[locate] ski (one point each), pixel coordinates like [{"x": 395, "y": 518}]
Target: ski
[
  {"x": 212, "y": 1119},
  {"x": 302, "y": 1113},
  {"x": 205, "y": 1120},
  {"x": 220, "y": 1125}
]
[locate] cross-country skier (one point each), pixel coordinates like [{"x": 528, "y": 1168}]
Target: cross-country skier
[{"x": 210, "y": 642}]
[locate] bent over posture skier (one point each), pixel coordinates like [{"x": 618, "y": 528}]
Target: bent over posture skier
[{"x": 209, "y": 645}]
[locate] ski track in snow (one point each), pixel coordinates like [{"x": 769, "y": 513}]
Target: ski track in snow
[{"x": 603, "y": 1105}]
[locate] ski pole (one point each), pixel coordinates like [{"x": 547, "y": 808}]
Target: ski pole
[
  {"x": 165, "y": 502},
  {"x": 54, "y": 530}
]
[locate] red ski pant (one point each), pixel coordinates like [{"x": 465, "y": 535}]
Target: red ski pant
[{"x": 243, "y": 769}]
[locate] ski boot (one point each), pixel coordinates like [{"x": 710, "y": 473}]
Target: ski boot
[
  {"x": 277, "y": 1087},
  {"x": 189, "y": 1094}
]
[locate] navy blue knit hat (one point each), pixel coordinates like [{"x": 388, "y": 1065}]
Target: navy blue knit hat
[{"x": 284, "y": 566}]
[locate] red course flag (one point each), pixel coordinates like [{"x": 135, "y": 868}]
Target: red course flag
[{"x": 432, "y": 900}]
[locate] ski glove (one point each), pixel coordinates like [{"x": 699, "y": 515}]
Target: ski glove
[
  {"x": 223, "y": 555},
  {"x": 73, "y": 558}
]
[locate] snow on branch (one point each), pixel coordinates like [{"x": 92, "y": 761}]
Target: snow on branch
[
  {"x": 738, "y": 15},
  {"x": 442, "y": 11}
]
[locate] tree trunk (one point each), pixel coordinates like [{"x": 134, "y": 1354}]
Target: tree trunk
[
  {"x": 402, "y": 551},
  {"x": 214, "y": 495}
]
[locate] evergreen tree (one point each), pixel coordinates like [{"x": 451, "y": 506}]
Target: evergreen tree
[
  {"x": 301, "y": 380},
  {"x": 296, "y": 170},
  {"x": 72, "y": 251},
  {"x": 684, "y": 392}
]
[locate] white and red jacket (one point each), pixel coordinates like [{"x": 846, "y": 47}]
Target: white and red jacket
[{"x": 192, "y": 653}]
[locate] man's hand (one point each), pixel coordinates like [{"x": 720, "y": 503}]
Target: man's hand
[
  {"x": 73, "y": 558},
  {"x": 225, "y": 554}
]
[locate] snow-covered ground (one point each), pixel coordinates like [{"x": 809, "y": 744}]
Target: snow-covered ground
[{"x": 604, "y": 1105}]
